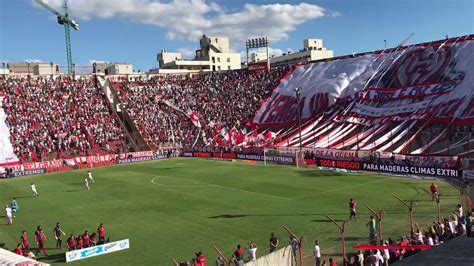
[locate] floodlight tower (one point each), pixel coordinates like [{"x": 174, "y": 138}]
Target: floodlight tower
[
  {"x": 258, "y": 43},
  {"x": 67, "y": 22}
]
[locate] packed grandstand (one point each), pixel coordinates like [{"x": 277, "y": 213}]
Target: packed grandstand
[
  {"x": 405, "y": 110},
  {"x": 395, "y": 104}
]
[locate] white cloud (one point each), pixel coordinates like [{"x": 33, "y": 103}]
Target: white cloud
[
  {"x": 33, "y": 60},
  {"x": 190, "y": 19},
  {"x": 92, "y": 61},
  {"x": 187, "y": 53}
]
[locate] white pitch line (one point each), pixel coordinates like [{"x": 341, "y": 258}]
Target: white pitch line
[
  {"x": 343, "y": 188},
  {"x": 163, "y": 185},
  {"x": 214, "y": 185}
]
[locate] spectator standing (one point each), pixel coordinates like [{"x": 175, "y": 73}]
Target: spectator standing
[
  {"x": 252, "y": 251},
  {"x": 317, "y": 253},
  {"x": 273, "y": 242},
  {"x": 372, "y": 231},
  {"x": 239, "y": 255}
]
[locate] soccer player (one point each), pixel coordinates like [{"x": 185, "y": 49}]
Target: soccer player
[
  {"x": 352, "y": 209},
  {"x": 101, "y": 233},
  {"x": 93, "y": 240},
  {"x": 79, "y": 242},
  {"x": 71, "y": 244},
  {"x": 57, "y": 235},
  {"x": 33, "y": 188},
  {"x": 9, "y": 215},
  {"x": 18, "y": 249},
  {"x": 24, "y": 241},
  {"x": 434, "y": 191},
  {"x": 40, "y": 238},
  {"x": 89, "y": 176},
  {"x": 86, "y": 183},
  {"x": 14, "y": 206},
  {"x": 86, "y": 239}
]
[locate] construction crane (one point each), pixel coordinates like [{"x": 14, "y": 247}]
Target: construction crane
[
  {"x": 405, "y": 40},
  {"x": 67, "y": 22}
]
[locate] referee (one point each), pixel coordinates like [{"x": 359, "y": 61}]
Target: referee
[{"x": 57, "y": 235}]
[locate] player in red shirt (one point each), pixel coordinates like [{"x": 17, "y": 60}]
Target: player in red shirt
[
  {"x": 86, "y": 239},
  {"x": 352, "y": 209},
  {"x": 434, "y": 191},
  {"x": 71, "y": 244},
  {"x": 40, "y": 238},
  {"x": 18, "y": 249},
  {"x": 79, "y": 242},
  {"x": 101, "y": 232},
  {"x": 93, "y": 240},
  {"x": 24, "y": 241}
]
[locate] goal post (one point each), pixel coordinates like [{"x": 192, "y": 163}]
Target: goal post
[{"x": 284, "y": 156}]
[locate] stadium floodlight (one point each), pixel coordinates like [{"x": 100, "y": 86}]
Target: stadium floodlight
[
  {"x": 67, "y": 22},
  {"x": 255, "y": 43},
  {"x": 298, "y": 94}
]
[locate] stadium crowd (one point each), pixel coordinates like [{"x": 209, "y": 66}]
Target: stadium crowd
[
  {"x": 161, "y": 106},
  {"x": 57, "y": 117}
]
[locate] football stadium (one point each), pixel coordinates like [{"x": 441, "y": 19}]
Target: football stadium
[{"x": 228, "y": 158}]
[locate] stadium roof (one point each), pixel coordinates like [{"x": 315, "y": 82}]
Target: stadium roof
[{"x": 454, "y": 252}]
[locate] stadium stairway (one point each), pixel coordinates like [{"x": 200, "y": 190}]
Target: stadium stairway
[{"x": 132, "y": 136}]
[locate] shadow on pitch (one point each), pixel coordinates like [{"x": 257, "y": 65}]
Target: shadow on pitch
[
  {"x": 25, "y": 197},
  {"x": 60, "y": 257},
  {"x": 327, "y": 220},
  {"x": 74, "y": 190},
  {"x": 348, "y": 238},
  {"x": 229, "y": 216}
]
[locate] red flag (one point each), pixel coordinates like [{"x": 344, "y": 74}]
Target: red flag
[
  {"x": 468, "y": 201},
  {"x": 194, "y": 116}
]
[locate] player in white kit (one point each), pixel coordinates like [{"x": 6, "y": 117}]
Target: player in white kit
[
  {"x": 33, "y": 188},
  {"x": 89, "y": 176}
]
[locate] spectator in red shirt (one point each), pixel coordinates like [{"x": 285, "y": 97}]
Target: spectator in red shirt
[
  {"x": 332, "y": 263},
  {"x": 239, "y": 253},
  {"x": 200, "y": 259}
]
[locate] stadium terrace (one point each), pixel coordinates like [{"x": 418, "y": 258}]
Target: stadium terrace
[{"x": 332, "y": 124}]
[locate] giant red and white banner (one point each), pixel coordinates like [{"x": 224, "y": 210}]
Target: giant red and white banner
[
  {"x": 407, "y": 92},
  {"x": 432, "y": 80}
]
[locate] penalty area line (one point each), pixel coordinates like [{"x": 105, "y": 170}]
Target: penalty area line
[{"x": 211, "y": 185}]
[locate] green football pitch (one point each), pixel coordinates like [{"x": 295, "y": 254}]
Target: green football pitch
[{"x": 176, "y": 207}]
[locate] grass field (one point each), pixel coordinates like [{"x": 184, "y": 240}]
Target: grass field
[{"x": 174, "y": 208}]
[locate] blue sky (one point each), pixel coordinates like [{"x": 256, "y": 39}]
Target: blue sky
[{"x": 135, "y": 30}]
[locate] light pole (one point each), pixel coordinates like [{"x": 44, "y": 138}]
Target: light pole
[
  {"x": 385, "y": 44},
  {"x": 51, "y": 64},
  {"x": 298, "y": 94}
]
